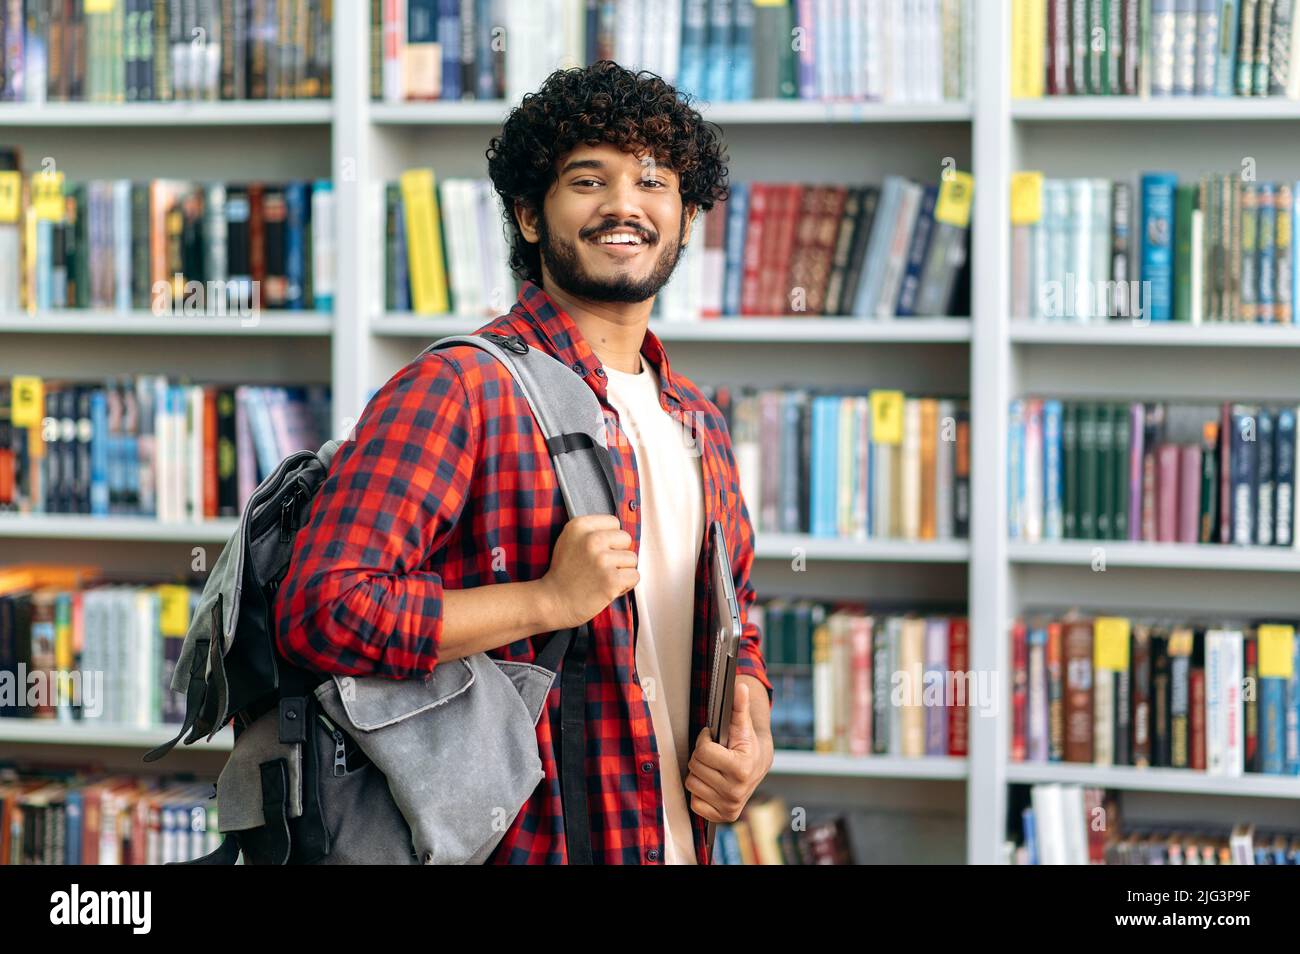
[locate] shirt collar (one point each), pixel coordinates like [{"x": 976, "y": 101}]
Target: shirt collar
[{"x": 565, "y": 342}]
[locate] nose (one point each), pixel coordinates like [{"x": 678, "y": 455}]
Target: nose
[{"x": 621, "y": 205}]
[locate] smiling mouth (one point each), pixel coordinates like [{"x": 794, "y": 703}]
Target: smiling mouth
[{"x": 623, "y": 247}]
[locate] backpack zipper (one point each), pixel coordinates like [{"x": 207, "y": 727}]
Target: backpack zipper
[{"x": 340, "y": 752}]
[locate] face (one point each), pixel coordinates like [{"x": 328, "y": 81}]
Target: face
[{"x": 601, "y": 194}]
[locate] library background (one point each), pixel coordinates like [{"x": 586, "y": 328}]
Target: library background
[{"x": 985, "y": 311}]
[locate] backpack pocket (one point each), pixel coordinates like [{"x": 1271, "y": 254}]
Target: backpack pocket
[
  {"x": 458, "y": 749},
  {"x": 364, "y": 824},
  {"x": 260, "y": 790}
]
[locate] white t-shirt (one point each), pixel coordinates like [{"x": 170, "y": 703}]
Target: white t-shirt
[{"x": 672, "y": 531}]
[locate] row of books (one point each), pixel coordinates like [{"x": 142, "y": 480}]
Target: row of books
[
  {"x": 98, "y": 652},
  {"x": 1075, "y": 825},
  {"x": 167, "y": 246},
  {"x": 769, "y": 249},
  {"x": 1216, "y": 697},
  {"x": 853, "y": 681},
  {"x": 444, "y": 246},
  {"x": 1156, "y": 472},
  {"x": 1154, "y": 48},
  {"x": 117, "y": 51},
  {"x": 87, "y": 818},
  {"x": 870, "y": 465},
  {"x": 148, "y": 446},
  {"x": 764, "y": 835},
  {"x": 776, "y": 248},
  {"x": 714, "y": 50},
  {"x": 1219, "y": 249}
]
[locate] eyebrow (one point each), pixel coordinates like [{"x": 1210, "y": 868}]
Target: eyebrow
[{"x": 599, "y": 164}]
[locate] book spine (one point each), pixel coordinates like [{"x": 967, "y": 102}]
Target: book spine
[
  {"x": 1164, "y": 42},
  {"x": 1245, "y": 462},
  {"x": 1284, "y": 460},
  {"x": 1264, "y": 477},
  {"x": 1157, "y": 264},
  {"x": 1226, "y": 58},
  {"x": 1283, "y": 252},
  {"x": 1185, "y": 30}
]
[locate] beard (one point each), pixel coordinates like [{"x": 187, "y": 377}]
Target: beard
[{"x": 561, "y": 259}]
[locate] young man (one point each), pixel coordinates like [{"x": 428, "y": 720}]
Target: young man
[{"x": 440, "y": 531}]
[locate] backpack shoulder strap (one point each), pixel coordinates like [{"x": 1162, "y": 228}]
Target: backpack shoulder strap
[
  {"x": 567, "y": 413},
  {"x": 573, "y": 425}
]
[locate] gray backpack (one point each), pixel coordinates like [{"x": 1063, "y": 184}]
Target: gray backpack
[{"x": 367, "y": 769}]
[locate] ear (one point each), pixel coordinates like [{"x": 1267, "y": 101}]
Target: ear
[
  {"x": 526, "y": 216},
  {"x": 689, "y": 212}
]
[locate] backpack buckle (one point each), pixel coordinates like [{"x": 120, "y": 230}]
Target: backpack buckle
[
  {"x": 287, "y": 507},
  {"x": 513, "y": 343}
]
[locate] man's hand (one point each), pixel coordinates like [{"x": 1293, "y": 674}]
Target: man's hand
[
  {"x": 593, "y": 564},
  {"x": 721, "y": 779}
]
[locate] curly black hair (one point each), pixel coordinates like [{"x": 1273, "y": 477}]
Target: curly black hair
[{"x": 603, "y": 102}]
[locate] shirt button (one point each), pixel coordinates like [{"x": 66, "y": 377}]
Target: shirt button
[
  {"x": 631, "y": 505},
  {"x": 647, "y": 767},
  {"x": 653, "y": 854},
  {"x": 600, "y": 372},
  {"x": 578, "y": 368}
]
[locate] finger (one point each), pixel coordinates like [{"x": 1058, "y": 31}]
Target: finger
[
  {"x": 615, "y": 539},
  {"x": 741, "y": 734},
  {"x": 706, "y": 811},
  {"x": 719, "y": 757},
  {"x": 721, "y": 799},
  {"x": 619, "y": 558},
  {"x": 594, "y": 521},
  {"x": 707, "y": 774}
]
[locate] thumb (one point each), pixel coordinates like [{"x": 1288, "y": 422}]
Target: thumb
[{"x": 741, "y": 733}]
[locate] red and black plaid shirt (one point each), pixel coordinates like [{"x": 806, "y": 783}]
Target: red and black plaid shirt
[{"x": 448, "y": 473}]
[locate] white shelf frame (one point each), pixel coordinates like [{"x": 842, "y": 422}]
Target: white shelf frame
[
  {"x": 54, "y": 732},
  {"x": 1162, "y": 334},
  {"x": 1165, "y": 556},
  {"x": 758, "y": 112},
  {"x": 289, "y": 112},
  {"x": 755, "y": 330},
  {"x": 361, "y": 130},
  {"x": 1134, "y": 109},
  {"x": 1131, "y": 778},
  {"x": 122, "y": 529},
  {"x": 305, "y": 324},
  {"x": 868, "y": 766}
]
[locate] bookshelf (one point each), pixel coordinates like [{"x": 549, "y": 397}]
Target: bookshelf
[
  {"x": 1112, "y": 138},
  {"x": 988, "y": 356}
]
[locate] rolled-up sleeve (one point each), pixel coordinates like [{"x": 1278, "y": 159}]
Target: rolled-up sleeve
[{"x": 355, "y": 599}]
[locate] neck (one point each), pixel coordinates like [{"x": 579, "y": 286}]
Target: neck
[{"x": 615, "y": 330}]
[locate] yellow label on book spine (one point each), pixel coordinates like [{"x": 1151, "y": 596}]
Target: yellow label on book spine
[
  {"x": 11, "y": 196},
  {"x": 174, "y": 610},
  {"x": 28, "y": 401},
  {"x": 1026, "y": 198},
  {"x": 424, "y": 242},
  {"x": 47, "y": 196},
  {"x": 887, "y": 417},
  {"x": 1180, "y": 641},
  {"x": 771, "y": 3},
  {"x": 1276, "y": 651},
  {"x": 955, "y": 193},
  {"x": 99, "y": 6},
  {"x": 1110, "y": 643}
]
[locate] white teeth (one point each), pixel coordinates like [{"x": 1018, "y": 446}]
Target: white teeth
[{"x": 620, "y": 239}]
